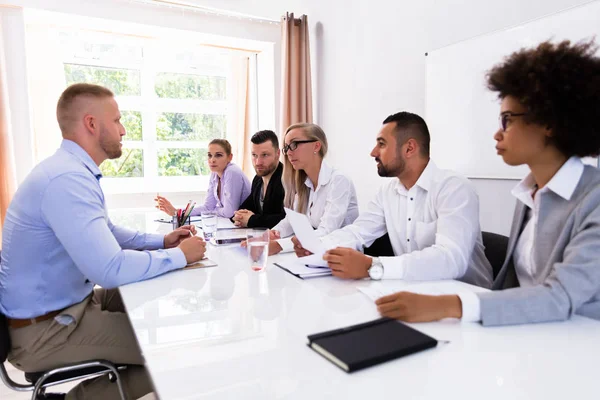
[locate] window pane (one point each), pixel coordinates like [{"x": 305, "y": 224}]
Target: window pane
[
  {"x": 182, "y": 162},
  {"x": 129, "y": 165},
  {"x": 183, "y": 86},
  {"x": 132, "y": 121},
  {"x": 123, "y": 82},
  {"x": 178, "y": 126},
  {"x": 84, "y": 45}
]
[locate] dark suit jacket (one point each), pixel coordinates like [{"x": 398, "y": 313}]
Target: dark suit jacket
[{"x": 272, "y": 211}]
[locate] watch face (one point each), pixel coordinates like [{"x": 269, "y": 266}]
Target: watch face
[{"x": 376, "y": 272}]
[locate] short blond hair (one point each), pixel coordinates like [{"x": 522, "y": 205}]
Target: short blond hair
[{"x": 65, "y": 107}]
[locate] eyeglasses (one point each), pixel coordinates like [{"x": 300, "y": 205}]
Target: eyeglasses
[
  {"x": 504, "y": 119},
  {"x": 293, "y": 145}
]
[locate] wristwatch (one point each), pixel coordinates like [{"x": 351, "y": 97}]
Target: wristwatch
[{"x": 376, "y": 270}]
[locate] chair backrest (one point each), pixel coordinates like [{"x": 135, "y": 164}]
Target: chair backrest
[
  {"x": 381, "y": 247},
  {"x": 496, "y": 247},
  {"x": 4, "y": 338}
]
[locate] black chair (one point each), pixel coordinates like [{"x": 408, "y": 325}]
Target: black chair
[
  {"x": 40, "y": 381},
  {"x": 496, "y": 247},
  {"x": 381, "y": 247}
]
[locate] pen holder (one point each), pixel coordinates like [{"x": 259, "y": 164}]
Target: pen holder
[{"x": 176, "y": 224}]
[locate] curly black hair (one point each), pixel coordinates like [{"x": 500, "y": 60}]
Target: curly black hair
[{"x": 559, "y": 85}]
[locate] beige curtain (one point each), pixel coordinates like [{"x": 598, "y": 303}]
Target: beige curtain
[
  {"x": 296, "y": 91},
  {"x": 7, "y": 178},
  {"x": 241, "y": 133}
]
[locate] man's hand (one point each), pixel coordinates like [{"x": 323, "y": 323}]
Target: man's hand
[
  {"x": 298, "y": 249},
  {"x": 412, "y": 307},
  {"x": 348, "y": 263},
  {"x": 241, "y": 217},
  {"x": 174, "y": 238},
  {"x": 193, "y": 248},
  {"x": 165, "y": 205},
  {"x": 274, "y": 248}
]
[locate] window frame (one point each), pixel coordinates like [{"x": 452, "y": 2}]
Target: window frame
[{"x": 150, "y": 106}]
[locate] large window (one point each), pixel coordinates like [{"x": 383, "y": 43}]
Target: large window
[{"x": 174, "y": 100}]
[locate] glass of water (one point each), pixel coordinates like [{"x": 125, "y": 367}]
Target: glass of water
[
  {"x": 209, "y": 224},
  {"x": 257, "y": 241}
]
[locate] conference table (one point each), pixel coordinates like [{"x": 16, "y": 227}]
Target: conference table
[{"x": 228, "y": 332}]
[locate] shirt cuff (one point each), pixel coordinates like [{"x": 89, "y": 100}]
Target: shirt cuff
[
  {"x": 471, "y": 307},
  {"x": 393, "y": 267},
  {"x": 155, "y": 241},
  {"x": 177, "y": 257},
  {"x": 286, "y": 244}
]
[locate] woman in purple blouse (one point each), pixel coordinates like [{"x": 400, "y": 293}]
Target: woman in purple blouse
[{"x": 228, "y": 187}]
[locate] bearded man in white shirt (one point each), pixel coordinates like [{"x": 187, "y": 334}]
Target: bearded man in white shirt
[{"x": 431, "y": 216}]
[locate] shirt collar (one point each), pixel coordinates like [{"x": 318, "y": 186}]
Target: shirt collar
[
  {"x": 214, "y": 176},
  {"x": 427, "y": 176},
  {"x": 81, "y": 155},
  {"x": 324, "y": 176},
  {"x": 563, "y": 183},
  {"x": 425, "y": 179}
]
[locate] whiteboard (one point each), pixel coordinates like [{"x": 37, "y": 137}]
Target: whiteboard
[{"x": 462, "y": 114}]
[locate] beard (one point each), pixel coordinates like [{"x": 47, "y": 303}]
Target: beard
[
  {"x": 268, "y": 170},
  {"x": 393, "y": 170},
  {"x": 112, "y": 148}
]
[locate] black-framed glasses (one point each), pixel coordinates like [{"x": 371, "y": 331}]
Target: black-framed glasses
[
  {"x": 505, "y": 116},
  {"x": 293, "y": 145}
]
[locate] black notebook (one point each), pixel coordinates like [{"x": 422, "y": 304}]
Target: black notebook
[{"x": 374, "y": 342}]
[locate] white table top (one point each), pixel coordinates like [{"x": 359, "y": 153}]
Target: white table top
[{"x": 228, "y": 332}]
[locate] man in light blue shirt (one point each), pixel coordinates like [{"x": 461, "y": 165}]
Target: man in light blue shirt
[{"x": 58, "y": 242}]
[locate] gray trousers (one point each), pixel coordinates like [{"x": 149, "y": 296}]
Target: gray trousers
[{"x": 101, "y": 330}]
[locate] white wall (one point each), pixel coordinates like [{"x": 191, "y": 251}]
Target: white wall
[{"x": 370, "y": 63}]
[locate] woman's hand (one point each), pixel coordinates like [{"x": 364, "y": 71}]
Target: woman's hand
[{"x": 165, "y": 205}]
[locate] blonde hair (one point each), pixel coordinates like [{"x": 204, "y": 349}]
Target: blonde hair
[
  {"x": 293, "y": 181},
  {"x": 66, "y": 113}
]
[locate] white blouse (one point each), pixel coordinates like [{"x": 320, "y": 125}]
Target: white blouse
[{"x": 332, "y": 205}]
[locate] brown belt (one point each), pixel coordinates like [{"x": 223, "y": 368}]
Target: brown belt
[{"x": 21, "y": 323}]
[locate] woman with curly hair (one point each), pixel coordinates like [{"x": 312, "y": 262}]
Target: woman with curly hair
[{"x": 548, "y": 120}]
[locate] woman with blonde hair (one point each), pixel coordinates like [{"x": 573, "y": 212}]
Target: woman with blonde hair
[
  {"x": 228, "y": 187},
  {"x": 312, "y": 187}
]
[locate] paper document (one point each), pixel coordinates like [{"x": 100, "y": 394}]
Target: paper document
[
  {"x": 170, "y": 221},
  {"x": 306, "y": 235},
  {"x": 225, "y": 223},
  {"x": 296, "y": 267},
  {"x": 204, "y": 263},
  {"x": 437, "y": 288}
]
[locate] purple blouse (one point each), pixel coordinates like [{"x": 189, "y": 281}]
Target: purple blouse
[{"x": 235, "y": 188}]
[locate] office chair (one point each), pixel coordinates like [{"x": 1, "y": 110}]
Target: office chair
[
  {"x": 381, "y": 247},
  {"x": 496, "y": 247},
  {"x": 40, "y": 381}
]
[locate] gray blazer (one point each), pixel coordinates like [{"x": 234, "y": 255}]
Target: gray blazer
[{"x": 567, "y": 255}]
